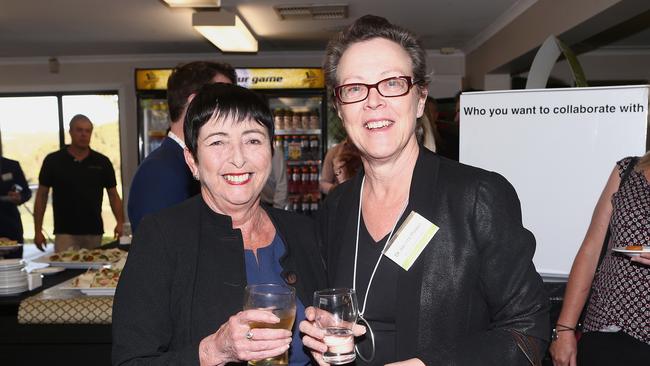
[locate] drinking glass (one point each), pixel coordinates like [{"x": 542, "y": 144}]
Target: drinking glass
[
  {"x": 279, "y": 299},
  {"x": 336, "y": 313}
]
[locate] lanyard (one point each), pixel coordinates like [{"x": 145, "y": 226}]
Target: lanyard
[{"x": 372, "y": 276}]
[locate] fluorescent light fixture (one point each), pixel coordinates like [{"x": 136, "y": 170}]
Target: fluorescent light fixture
[
  {"x": 193, "y": 3},
  {"x": 225, "y": 30}
]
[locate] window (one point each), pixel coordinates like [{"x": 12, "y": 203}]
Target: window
[{"x": 34, "y": 125}]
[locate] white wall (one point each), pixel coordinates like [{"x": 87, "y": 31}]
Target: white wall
[
  {"x": 613, "y": 65},
  {"x": 94, "y": 73}
]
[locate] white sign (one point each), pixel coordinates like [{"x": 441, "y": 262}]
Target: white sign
[{"x": 557, "y": 147}]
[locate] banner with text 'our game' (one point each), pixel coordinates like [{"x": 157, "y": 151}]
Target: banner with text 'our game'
[{"x": 557, "y": 147}]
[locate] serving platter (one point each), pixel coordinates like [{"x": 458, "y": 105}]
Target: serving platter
[{"x": 82, "y": 259}]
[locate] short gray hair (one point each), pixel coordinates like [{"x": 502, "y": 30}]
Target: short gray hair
[{"x": 368, "y": 27}]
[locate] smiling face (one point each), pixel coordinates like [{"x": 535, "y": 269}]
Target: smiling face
[
  {"x": 381, "y": 127},
  {"x": 233, "y": 162}
]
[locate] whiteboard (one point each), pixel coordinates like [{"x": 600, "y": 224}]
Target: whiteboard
[{"x": 557, "y": 147}]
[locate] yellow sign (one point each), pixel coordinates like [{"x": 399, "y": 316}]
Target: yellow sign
[
  {"x": 152, "y": 79},
  {"x": 255, "y": 78},
  {"x": 281, "y": 78}
]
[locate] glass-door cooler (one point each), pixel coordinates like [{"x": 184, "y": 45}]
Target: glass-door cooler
[
  {"x": 153, "y": 113},
  {"x": 297, "y": 98}
]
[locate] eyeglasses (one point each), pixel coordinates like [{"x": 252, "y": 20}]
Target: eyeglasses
[{"x": 357, "y": 92}]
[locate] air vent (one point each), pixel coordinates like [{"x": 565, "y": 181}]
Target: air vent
[{"x": 316, "y": 12}]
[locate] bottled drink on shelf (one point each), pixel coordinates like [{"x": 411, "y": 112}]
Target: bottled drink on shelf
[
  {"x": 314, "y": 147},
  {"x": 305, "y": 153},
  {"x": 285, "y": 147},
  {"x": 305, "y": 120},
  {"x": 297, "y": 180},
  {"x": 296, "y": 205},
  {"x": 314, "y": 120},
  {"x": 295, "y": 121},
  {"x": 278, "y": 119},
  {"x": 305, "y": 185},
  {"x": 278, "y": 143},
  {"x": 314, "y": 205},
  {"x": 305, "y": 205},
  {"x": 313, "y": 178},
  {"x": 288, "y": 117},
  {"x": 290, "y": 185}
]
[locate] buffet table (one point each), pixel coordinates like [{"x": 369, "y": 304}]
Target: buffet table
[
  {"x": 51, "y": 325},
  {"x": 74, "y": 344}
]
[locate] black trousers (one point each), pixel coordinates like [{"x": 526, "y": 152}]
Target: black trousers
[{"x": 612, "y": 349}]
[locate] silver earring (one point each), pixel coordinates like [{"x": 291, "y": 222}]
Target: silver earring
[{"x": 196, "y": 176}]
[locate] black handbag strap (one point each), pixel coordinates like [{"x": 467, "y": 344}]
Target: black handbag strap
[{"x": 624, "y": 176}]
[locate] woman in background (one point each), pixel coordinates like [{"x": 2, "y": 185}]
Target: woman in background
[
  {"x": 617, "y": 323},
  {"x": 347, "y": 162}
]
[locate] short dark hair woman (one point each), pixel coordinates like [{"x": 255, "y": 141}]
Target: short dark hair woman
[
  {"x": 472, "y": 295},
  {"x": 180, "y": 298}
]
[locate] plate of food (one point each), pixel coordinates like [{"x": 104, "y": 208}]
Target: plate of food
[
  {"x": 83, "y": 258},
  {"x": 100, "y": 282},
  {"x": 46, "y": 271},
  {"x": 632, "y": 250},
  {"x": 8, "y": 245}
]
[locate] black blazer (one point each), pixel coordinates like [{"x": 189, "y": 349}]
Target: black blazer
[
  {"x": 473, "y": 294},
  {"x": 185, "y": 276}
]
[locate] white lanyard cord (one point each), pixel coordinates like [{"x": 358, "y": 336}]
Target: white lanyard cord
[{"x": 356, "y": 249}]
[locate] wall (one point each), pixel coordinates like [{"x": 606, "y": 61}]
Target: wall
[
  {"x": 89, "y": 73},
  {"x": 608, "y": 65}
]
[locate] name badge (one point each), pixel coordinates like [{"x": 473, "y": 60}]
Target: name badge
[
  {"x": 7, "y": 177},
  {"x": 410, "y": 240}
]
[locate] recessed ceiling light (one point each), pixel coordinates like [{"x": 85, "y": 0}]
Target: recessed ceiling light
[{"x": 193, "y": 3}]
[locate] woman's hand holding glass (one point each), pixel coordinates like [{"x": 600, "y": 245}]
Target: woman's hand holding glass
[
  {"x": 231, "y": 344},
  {"x": 330, "y": 326}
]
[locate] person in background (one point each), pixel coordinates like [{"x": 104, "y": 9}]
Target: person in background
[
  {"x": 14, "y": 191},
  {"x": 275, "y": 190},
  {"x": 327, "y": 178},
  {"x": 163, "y": 179},
  {"x": 616, "y": 329},
  {"x": 347, "y": 162},
  {"x": 472, "y": 295},
  {"x": 78, "y": 176},
  {"x": 426, "y": 131},
  {"x": 181, "y": 294}
]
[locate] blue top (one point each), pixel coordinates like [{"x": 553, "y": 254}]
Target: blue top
[
  {"x": 162, "y": 180},
  {"x": 267, "y": 269}
]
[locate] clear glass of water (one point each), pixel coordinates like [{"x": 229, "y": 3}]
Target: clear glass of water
[{"x": 336, "y": 313}]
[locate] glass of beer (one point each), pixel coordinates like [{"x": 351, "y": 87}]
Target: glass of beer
[
  {"x": 279, "y": 299},
  {"x": 336, "y": 313}
]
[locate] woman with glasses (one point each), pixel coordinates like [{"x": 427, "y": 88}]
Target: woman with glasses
[{"x": 436, "y": 250}]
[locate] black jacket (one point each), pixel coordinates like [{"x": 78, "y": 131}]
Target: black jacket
[
  {"x": 185, "y": 276},
  {"x": 473, "y": 296}
]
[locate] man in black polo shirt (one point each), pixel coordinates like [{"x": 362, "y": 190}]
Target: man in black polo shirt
[{"x": 77, "y": 175}]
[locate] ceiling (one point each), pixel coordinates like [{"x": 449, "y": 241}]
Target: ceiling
[{"x": 44, "y": 28}]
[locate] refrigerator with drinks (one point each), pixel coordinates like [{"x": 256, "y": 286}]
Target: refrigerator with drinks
[
  {"x": 297, "y": 99},
  {"x": 153, "y": 114}
]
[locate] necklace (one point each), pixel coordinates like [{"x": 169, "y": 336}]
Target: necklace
[{"x": 374, "y": 270}]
